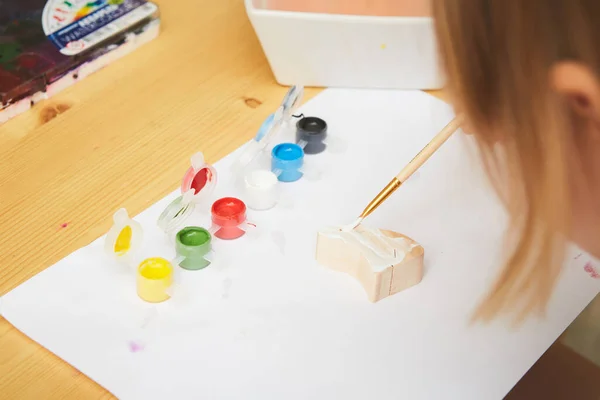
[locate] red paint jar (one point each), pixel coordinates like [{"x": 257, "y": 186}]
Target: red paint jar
[{"x": 228, "y": 218}]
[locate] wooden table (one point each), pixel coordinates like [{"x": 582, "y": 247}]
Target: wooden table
[{"x": 120, "y": 138}]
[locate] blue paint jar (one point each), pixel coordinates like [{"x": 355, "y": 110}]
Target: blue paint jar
[{"x": 287, "y": 161}]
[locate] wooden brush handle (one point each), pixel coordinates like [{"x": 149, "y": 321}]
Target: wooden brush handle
[{"x": 429, "y": 149}]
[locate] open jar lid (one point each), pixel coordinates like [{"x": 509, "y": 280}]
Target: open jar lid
[
  {"x": 292, "y": 101},
  {"x": 200, "y": 178},
  {"x": 177, "y": 212},
  {"x": 124, "y": 238}
]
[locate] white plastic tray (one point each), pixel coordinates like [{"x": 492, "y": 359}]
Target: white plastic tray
[{"x": 336, "y": 50}]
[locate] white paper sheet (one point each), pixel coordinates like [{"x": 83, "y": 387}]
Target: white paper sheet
[{"x": 272, "y": 325}]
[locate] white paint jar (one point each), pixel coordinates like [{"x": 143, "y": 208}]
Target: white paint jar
[{"x": 261, "y": 189}]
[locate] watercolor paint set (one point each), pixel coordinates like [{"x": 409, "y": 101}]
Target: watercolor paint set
[
  {"x": 49, "y": 45},
  {"x": 263, "y": 165}
]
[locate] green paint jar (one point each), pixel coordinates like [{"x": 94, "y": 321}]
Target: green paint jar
[{"x": 193, "y": 244}]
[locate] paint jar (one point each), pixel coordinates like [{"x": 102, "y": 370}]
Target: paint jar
[
  {"x": 311, "y": 134},
  {"x": 287, "y": 161},
  {"x": 201, "y": 178},
  {"x": 124, "y": 238},
  {"x": 193, "y": 244},
  {"x": 228, "y": 218},
  {"x": 261, "y": 189},
  {"x": 154, "y": 279}
]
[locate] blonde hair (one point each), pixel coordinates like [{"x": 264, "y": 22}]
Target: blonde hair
[{"x": 498, "y": 56}]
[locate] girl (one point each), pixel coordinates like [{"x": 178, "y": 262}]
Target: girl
[{"x": 526, "y": 76}]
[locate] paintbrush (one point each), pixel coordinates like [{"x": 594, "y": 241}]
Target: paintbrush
[{"x": 410, "y": 168}]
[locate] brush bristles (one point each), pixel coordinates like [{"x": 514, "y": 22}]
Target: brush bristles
[{"x": 350, "y": 227}]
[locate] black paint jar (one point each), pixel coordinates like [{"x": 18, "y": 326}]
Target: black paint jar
[{"x": 313, "y": 132}]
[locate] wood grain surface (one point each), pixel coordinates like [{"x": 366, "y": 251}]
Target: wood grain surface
[{"x": 120, "y": 138}]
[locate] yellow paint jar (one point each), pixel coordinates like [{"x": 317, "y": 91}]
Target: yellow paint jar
[{"x": 154, "y": 279}]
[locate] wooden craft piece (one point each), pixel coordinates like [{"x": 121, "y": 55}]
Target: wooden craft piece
[{"x": 384, "y": 262}]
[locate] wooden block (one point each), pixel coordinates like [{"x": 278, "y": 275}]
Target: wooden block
[{"x": 384, "y": 262}]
